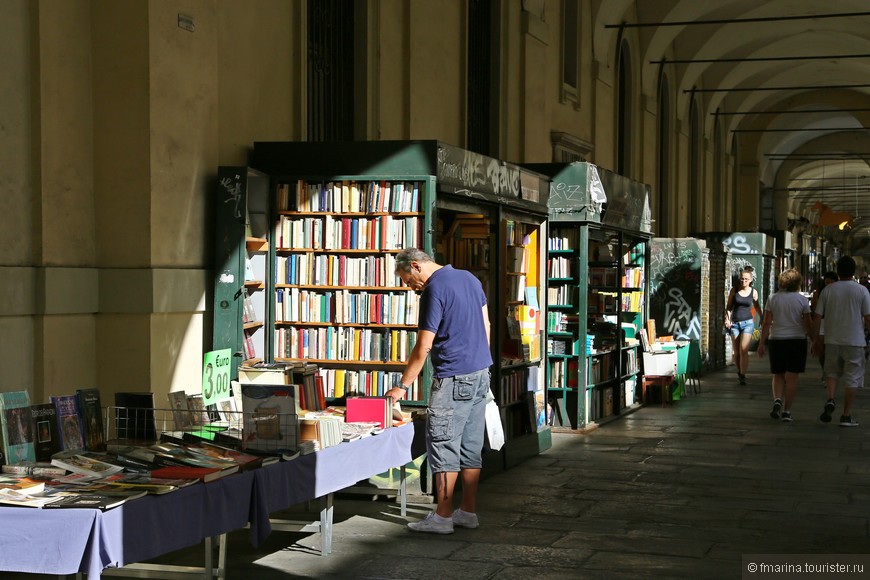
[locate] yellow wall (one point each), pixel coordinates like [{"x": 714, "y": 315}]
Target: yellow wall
[
  {"x": 437, "y": 68},
  {"x": 115, "y": 119}
]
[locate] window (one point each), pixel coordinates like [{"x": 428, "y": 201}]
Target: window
[
  {"x": 623, "y": 114},
  {"x": 735, "y": 183},
  {"x": 694, "y": 204},
  {"x": 481, "y": 83},
  {"x": 570, "y": 92},
  {"x": 664, "y": 146},
  {"x": 331, "y": 70},
  {"x": 718, "y": 177},
  {"x": 568, "y": 148}
]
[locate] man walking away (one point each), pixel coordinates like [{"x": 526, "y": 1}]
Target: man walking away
[{"x": 845, "y": 306}]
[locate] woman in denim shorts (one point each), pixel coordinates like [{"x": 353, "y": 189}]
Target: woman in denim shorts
[{"x": 740, "y": 322}]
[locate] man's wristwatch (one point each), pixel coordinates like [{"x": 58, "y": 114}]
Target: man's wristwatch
[{"x": 399, "y": 385}]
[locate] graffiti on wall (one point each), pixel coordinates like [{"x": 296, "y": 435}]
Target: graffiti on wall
[{"x": 675, "y": 286}]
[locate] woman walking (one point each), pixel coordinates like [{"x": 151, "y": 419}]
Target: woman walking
[
  {"x": 784, "y": 330},
  {"x": 740, "y": 320}
]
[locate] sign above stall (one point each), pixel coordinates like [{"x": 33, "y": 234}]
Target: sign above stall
[{"x": 471, "y": 174}]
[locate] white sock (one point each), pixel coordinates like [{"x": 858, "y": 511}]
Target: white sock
[{"x": 442, "y": 520}]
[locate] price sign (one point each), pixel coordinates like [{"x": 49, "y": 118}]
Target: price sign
[{"x": 216, "y": 376}]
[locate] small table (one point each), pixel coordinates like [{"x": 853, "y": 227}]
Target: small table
[{"x": 662, "y": 381}]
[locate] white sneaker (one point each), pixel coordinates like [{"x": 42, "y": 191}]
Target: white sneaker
[
  {"x": 432, "y": 524},
  {"x": 464, "y": 519}
]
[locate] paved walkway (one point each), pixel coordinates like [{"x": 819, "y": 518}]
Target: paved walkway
[{"x": 682, "y": 491}]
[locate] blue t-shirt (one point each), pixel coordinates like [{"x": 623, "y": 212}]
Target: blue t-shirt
[{"x": 451, "y": 307}]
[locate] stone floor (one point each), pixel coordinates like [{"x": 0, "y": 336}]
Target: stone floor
[{"x": 682, "y": 491}]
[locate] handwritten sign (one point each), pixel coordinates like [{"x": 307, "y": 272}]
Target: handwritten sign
[{"x": 216, "y": 376}]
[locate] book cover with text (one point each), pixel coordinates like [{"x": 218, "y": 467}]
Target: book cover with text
[
  {"x": 69, "y": 422},
  {"x": 91, "y": 412},
  {"x": 46, "y": 440}
]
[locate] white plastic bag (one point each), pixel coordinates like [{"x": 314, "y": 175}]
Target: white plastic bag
[{"x": 494, "y": 431}]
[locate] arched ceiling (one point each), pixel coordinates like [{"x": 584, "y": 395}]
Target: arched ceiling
[{"x": 789, "y": 79}]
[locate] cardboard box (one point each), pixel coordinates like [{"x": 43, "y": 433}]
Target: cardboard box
[{"x": 660, "y": 364}]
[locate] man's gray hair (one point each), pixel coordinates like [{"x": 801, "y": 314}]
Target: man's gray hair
[{"x": 408, "y": 255}]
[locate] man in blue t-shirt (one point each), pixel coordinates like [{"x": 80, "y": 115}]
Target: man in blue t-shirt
[{"x": 453, "y": 325}]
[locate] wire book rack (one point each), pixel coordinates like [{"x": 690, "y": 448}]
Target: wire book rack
[{"x": 268, "y": 428}]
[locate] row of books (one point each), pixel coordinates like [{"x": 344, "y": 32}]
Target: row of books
[
  {"x": 337, "y": 270},
  {"x": 561, "y": 295},
  {"x": 352, "y": 382},
  {"x": 517, "y": 382},
  {"x": 249, "y": 343},
  {"x": 557, "y": 373},
  {"x": 33, "y": 432},
  {"x": 633, "y": 277},
  {"x": 562, "y": 240},
  {"x": 515, "y": 235},
  {"x": 559, "y": 267},
  {"x": 87, "y": 479},
  {"x": 517, "y": 259},
  {"x": 601, "y": 368},
  {"x": 468, "y": 254},
  {"x": 384, "y": 232},
  {"x": 249, "y": 310},
  {"x": 561, "y": 346},
  {"x": 344, "y": 344},
  {"x": 632, "y": 301},
  {"x": 561, "y": 321},
  {"x": 350, "y": 196},
  {"x": 346, "y": 307},
  {"x": 630, "y": 361},
  {"x": 515, "y": 287}
]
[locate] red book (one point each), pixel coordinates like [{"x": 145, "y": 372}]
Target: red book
[
  {"x": 370, "y": 410},
  {"x": 321, "y": 393},
  {"x": 204, "y": 474},
  {"x": 345, "y": 234}
]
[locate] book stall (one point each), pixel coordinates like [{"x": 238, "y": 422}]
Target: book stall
[{"x": 101, "y": 501}]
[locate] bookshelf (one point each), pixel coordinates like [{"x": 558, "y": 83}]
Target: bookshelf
[
  {"x": 521, "y": 390},
  {"x": 242, "y": 265},
  {"x": 336, "y": 299},
  {"x": 473, "y": 212},
  {"x": 597, "y": 289}
]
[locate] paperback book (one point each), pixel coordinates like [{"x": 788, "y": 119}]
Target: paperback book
[
  {"x": 85, "y": 500},
  {"x": 91, "y": 412},
  {"x": 80, "y": 463},
  {"x": 16, "y": 426},
  {"x": 69, "y": 422},
  {"x": 21, "y": 499},
  {"x": 45, "y": 430},
  {"x": 270, "y": 417},
  {"x": 181, "y": 414},
  {"x": 34, "y": 469},
  {"x": 204, "y": 474}
]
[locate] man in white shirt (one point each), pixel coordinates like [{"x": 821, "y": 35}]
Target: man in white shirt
[{"x": 845, "y": 306}]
